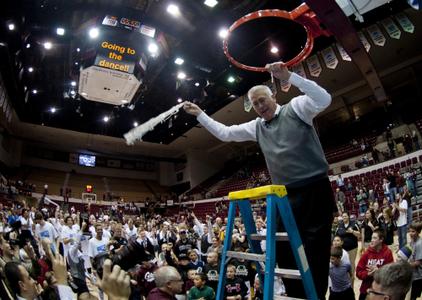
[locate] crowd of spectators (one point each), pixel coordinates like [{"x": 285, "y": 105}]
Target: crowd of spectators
[{"x": 35, "y": 243}]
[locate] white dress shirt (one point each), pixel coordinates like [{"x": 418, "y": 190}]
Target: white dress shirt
[{"x": 307, "y": 107}]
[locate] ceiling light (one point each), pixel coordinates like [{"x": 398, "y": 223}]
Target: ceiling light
[
  {"x": 60, "y": 31},
  {"x": 48, "y": 45},
  {"x": 28, "y": 46},
  {"x": 274, "y": 49},
  {"x": 196, "y": 83},
  {"x": 53, "y": 110},
  {"x": 223, "y": 33},
  {"x": 34, "y": 92},
  {"x": 11, "y": 26},
  {"x": 84, "y": 94},
  {"x": 73, "y": 83},
  {"x": 78, "y": 49},
  {"x": 76, "y": 63},
  {"x": 30, "y": 69},
  {"x": 153, "y": 48},
  {"x": 135, "y": 124},
  {"x": 72, "y": 92},
  {"x": 173, "y": 10},
  {"x": 180, "y": 100},
  {"x": 94, "y": 33},
  {"x": 231, "y": 79},
  {"x": 211, "y": 3},
  {"x": 181, "y": 75},
  {"x": 179, "y": 61},
  {"x": 124, "y": 101},
  {"x": 106, "y": 119}
]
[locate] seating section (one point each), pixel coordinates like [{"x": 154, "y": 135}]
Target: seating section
[
  {"x": 131, "y": 190},
  {"x": 373, "y": 180},
  {"x": 348, "y": 150},
  {"x": 55, "y": 180}
]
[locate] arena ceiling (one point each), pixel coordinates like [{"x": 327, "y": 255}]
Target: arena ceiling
[{"x": 39, "y": 79}]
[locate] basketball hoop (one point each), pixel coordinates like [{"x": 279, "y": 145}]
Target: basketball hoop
[{"x": 301, "y": 15}]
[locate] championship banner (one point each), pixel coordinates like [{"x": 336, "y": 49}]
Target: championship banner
[
  {"x": 285, "y": 85},
  {"x": 405, "y": 23},
  {"x": 343, "y": 53},
  {"x": 329, "y": 57},
  {"x": 6, "y": 104},
  {"x": 2, "y": 95},
  {"x": 8, "y": 113},
  {"x": 391, "y": 28},
  {"x": 364, "y": 41},
  {"x": 10, "y": 117},
  {"x": 376, "y": 35},
  {"x": 314, "y": 65},
  {"x": 299, "y": 70},
  {"x": 247, "y": 104}
]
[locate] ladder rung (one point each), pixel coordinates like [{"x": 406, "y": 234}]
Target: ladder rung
[
  {"x": 247, "y": 256},
  {"x": 286, "y": 298},
  {"x": 279, "y": 236},
  {"x": 287, "y": 273}
]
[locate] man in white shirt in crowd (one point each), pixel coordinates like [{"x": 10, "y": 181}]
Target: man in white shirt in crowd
[
  {"x": 131, "y": 231},
  {"x": 294, "y": 158},
  {"x": 98, "y": 244},
  {"x": 401, "y": 205},
  {"x": 68, "y": 235},
  {"x": 45, "y": 230}
]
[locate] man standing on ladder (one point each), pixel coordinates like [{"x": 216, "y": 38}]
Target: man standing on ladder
[{"x": 294, "y": 158}]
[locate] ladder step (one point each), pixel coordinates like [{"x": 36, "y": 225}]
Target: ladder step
[
  {"x": 287, "y": 273},
  {"x": 279, "y": 236},
  {"x": 247, "y": 256}
]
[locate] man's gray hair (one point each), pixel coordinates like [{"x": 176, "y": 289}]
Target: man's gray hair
[
  {"x": 257, "y": 88},
  {"x": 165, "y": 274},
  {"x": 395, "y": 279}
]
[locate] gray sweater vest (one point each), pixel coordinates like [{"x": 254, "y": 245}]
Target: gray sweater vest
[{"x": 292, "y": 150}]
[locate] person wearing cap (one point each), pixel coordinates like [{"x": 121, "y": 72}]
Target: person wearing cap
[
  {"x": 404, "y": 253},
  {"x": 294, "y": 158}
]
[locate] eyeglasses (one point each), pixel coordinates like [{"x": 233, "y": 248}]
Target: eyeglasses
[{"x": 371, "y": 291}]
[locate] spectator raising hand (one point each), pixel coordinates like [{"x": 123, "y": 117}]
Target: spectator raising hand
[{"x": 115, "y": 283}]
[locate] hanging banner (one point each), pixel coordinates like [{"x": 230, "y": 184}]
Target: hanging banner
[
  {"x": 343, "y": 53},
  {"x": 314, "y": 65},
  {"x": 285, "y": 85},
  {"x": 392, "y": 29},
  {"x": 6, "y": 104},
  {"x": 2, "y": 95},
  {"x": 9, "y": 118},
  {"x": 405, "y": 23},
  {"x": 247, "y": 104},
  {"x": 329, "y": 57},
  {"x": 8, "y": 112},
  {"x": 299, "y": 70},
  {"x": 364, "y": 41},
  {"x": 376, "y": 35}
]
